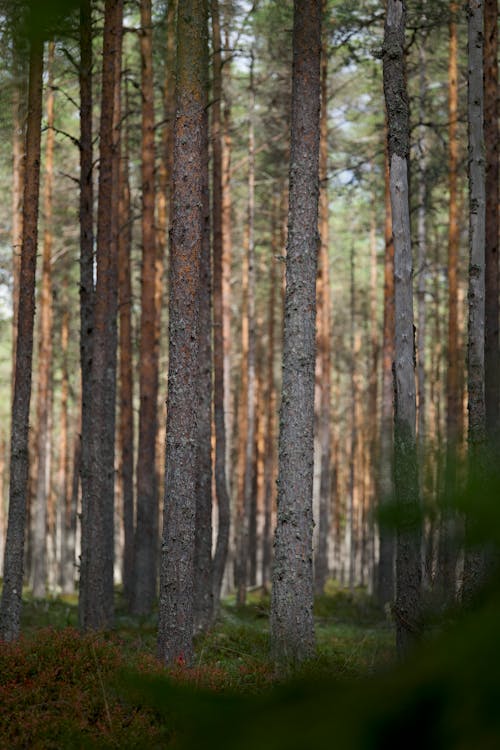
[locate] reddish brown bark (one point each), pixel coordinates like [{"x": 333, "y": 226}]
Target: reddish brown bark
[{"x": 10, "y": 608}]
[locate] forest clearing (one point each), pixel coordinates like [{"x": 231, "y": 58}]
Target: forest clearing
[{"x": 249, "y": 373}]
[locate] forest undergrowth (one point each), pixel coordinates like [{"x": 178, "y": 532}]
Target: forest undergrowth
[{"x": 62, "y": 689}]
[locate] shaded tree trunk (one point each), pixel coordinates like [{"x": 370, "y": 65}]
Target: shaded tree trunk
[
  {"x": 96, "y": 583},
  {"x": 292, "y": 625},
  {"x": 408, "y": 565},
  {"x": 10, "y": 607},
  {"x": 491, "y": 343},
  {"x": 474, "y": 562},
  {"x": 176, "y": 615},
  {"x": 146, "y": 531}
]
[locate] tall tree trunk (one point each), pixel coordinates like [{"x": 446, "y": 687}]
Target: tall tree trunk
[
  {"x": 146, "y": 531},
  {"x": 18, "y": 169},
  {"x": 408, "y": 565},
  {"x": 292, "y": 625},
  {"x": 323, "y": 336},
  {"x": 385, "y": 587},
  {"x": 203, "y": 599},
  {"x": 96, "y": 587},
  {"x": 176, "y": 616},
  {"x": 354, "y": 348},
  {"x": 10, "y": 607},
  {"x": 491, "y": 343},
  {"x": 87, "y": 291},
  {"x": 447, "y": 544},
  {"x": 474, "y": 563},
  {"x": 248, "y": 443},
  {"x": 44, "y": 394},
  {"x": 422, "y": 254},
  {"x": 227, "y": 251},
  {"x": 67, "y": 562},
  {"x": 126, "y": 431},
  {"x": 221, "y": 485}
]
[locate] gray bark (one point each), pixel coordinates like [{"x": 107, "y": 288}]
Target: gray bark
[
  {"x": 176, "y": 616},
  {"x": 408, "y": 554},
  {"x": 474, "y": 558},
  {"x": 292, "y": 625}
]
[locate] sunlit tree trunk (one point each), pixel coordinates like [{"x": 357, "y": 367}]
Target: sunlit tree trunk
[
  {"x": 44, "y": 367},
  {"x": 408, "y": 565},
  {"x": 10, "y": 607},
  {"x": 176, "y": 615},
  {"x": 292, "y": 625}
]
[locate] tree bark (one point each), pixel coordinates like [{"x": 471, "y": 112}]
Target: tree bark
[
  {"x": 146, "y": 531},
  {"x": 175, "y": 628},
  {"x": 292, "y": 625},
  {"x": 10, "y": 607},
  {"x": 408, "y": 564},
  {"x": 491, "y": 342},
  {"x": 96, "y": 588},
  {"x": 44, "y": 394},
  {"x": 474, "y": 562},
  {"x": 221, "y": 486}
]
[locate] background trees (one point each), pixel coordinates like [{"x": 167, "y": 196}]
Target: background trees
[{"x": 248, "y": 106}]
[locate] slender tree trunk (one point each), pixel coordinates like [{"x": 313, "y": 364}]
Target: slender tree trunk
[
  {"x": 87, "y": 291},
  {"x": 227, "y": 252},
  {"x": 351, "y": 506},
  {"x": 323, "y": 337},
  {"x": 126, "y": 373},
  {"x": 491, "y": 343},
  {"x": 67, "y": 561},
  {"x": 221, "y": 486},
  {"x": 422, "y": 258},
  {"x": 146, "y": 532},
  {"x": 2, "y": 502},
  {"x": 474, "y": 564},
  {"x": 408, "y": 565},
  {"x": 96, "y": 587},
  {"x": 44, "y": 394},
  {"x": 292, "y": 625},
  {"x": 447, "y": 543},
  {"x": 385, "y": 588},
  {"x": 10, "y": 607},
  {"x": 176, "y": 616},
  {"x": 18, "y": 169}
]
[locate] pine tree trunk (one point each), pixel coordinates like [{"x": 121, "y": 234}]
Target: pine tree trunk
[
  {"x": 408, "y": 564},
  {"x": 66, "y": 568},
  {"x": 323, "y": 338},
  {"x": 292, "y": 625},
  {"x": 10, "y": 607},
  {"x": 146, "y": 531},
  {"x": 221, "y": 485},
  {"x": 126, "y": 431},
  {"x": 44, "y": 394},
  {"x": 18, "y": 169},
  {"x": 385, "y": 584},
  {"x": 176, "y": 616},
  {"x": 474, "y": 563},
  {"x": 491, "y": 343},
  {"x": 96, "y": 584}
]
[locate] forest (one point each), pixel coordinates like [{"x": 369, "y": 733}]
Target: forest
[{"x": 249, "y": 373}]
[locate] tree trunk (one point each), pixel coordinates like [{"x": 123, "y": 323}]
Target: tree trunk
[
  {"x": 408, "y": 565},
  {"x": 96, "y": 587},
  {"x": 491, "y": 343},
  {"x": 292, "y": 625},
  {"x": 385, "y": 587},
  {"x": 221, "y": 486},
  {"x": 474, "y": 563},
  {"x": 175, "y": 628},
  {"x": 126, "y": 431},
  {"x": 10, "y": 607},
  {"x": 67, "y": 569},
  {"x": 44, "y": 395},
  {"x": 323, "y": 337},
  {"x": 18, "y": 169},
  {"x": 146, "y": 531}
]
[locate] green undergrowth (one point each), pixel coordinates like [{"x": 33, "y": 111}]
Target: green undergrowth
[{"x": 59, "y": 688}]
